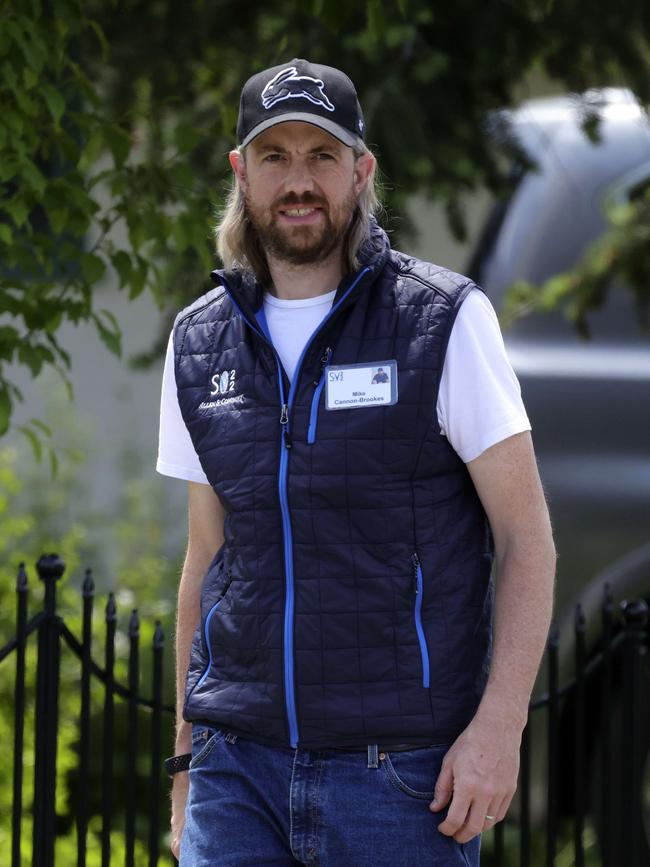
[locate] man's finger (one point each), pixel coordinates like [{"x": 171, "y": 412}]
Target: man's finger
[
  {"x": 477, "y": 820},
  {"x": 443, "y": 789},
  {"x": 502, "y": 809},
  {"x": 456, "y": 816}
]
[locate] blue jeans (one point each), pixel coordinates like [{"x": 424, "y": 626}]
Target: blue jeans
[{"x": 252, "y": 805}]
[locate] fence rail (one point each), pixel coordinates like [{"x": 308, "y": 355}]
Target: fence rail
[{"x": 596, "y": 739}]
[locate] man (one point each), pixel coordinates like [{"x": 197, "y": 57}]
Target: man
[{"x": 339, "y": 688}]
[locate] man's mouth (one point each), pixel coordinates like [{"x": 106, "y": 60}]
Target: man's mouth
[
  {"x": 298, "y": 212},
  {"x": 300, "y": 215}
]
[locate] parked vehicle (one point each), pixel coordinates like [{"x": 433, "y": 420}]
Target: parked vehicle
[{"x": 588, "y": 400}]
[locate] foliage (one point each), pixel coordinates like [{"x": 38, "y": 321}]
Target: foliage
[
  {"x": 620, "y": 255},
  {"x": 149, "y": 579},
  {"x": 117, "y": 117}
]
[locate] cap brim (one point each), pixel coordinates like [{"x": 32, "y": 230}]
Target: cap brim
[{"x": 339, "y": 132}]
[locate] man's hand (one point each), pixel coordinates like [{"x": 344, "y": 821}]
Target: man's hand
[
  {"x": 180, "y": 788},
  {"x": 479, "y": 776}
]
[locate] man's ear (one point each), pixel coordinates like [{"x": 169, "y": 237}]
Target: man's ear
[
  {"x": 238, "y": 164},
  {"x": 363, "y": 167}
]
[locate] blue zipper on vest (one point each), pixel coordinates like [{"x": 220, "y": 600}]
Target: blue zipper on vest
[
  {"x": 285, "y": 445},
  {"x": 417, "y": 576},
  {"x": 313, "y": 415},
  {"x": 289, "y": 684},
  {"x": 206, "y": 633}
]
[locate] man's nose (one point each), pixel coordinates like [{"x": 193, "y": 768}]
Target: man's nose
[{"x": 299, "y": 179}]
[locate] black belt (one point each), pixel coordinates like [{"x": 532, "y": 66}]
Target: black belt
[{"x": 383, "y": 749}]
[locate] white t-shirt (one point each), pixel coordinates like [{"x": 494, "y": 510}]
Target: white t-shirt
[{"x": 479, "y": 401}]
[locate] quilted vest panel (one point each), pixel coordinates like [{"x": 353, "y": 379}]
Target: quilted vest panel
[{"x": 351, "y": 600}]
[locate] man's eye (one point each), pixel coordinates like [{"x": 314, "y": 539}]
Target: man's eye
[
  {"x": 272, "y": 158},
  {"x": 323, "y": 155}
]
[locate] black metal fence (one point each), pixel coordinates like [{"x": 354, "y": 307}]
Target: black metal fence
[
  {"x": 583, "y": 752},
  {"x": 50, "y": 631}
]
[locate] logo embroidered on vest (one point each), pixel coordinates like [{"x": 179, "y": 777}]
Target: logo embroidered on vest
[
  {"x": 287, "y": 84},
  {"x": 223, "y": 383}
]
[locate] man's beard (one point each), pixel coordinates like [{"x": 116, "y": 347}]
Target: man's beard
[{"x": 302, "y": 245}]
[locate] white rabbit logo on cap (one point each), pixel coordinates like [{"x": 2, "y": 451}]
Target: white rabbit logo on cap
[{"x": 287, "y": 84}]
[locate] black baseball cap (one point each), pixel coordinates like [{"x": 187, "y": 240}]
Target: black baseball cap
[{"x": 299, "y": 90}]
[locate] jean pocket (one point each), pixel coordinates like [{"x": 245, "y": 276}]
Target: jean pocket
[
  {"x": 414, "y": 772},
  {"x": 204, "y": 739}
]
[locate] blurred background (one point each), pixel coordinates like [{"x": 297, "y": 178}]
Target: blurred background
[{"x": 514, "y": 146}]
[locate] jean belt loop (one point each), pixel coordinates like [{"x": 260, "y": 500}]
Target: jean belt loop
[{"x": 373, "y": 756}]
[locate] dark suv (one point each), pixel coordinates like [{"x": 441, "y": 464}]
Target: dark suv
[{"x": 588, "y": 400}]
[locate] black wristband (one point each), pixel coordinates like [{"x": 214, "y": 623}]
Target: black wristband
[{"x": 175, "y": 764}]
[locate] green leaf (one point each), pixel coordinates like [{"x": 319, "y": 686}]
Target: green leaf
[
  {"x": 119, "y": 143},
  {"x": 182, "y": 237},
  {"x": 34, "y": 440},
  {"x": 54, "y": 462},
  {"x": 109, "y": 331},
  {"x": 17, "y": 210},
  {"x": 58, "y": 218},
  {"x": 138, "y": 278},
  {"x": 65, "y": 379},
  {"x": 92, "y": 267},
  {"x": 101, "y": 38},
  {"x": 8, "y": 168},
  {"x": 32, "y": 48},
  {"x": 5, "y": 408},
  {"x": 5, "y": 233},
  {"x": 9, "y": 77},
  {"x": 187, "y": 137},
  {"x": 376, "y": 20},
  {"x": 33, "y": 177},
  {"x": 137, "y": 232},
  {"x": 54, "y": 101},
  {"x": 30, "y": 77},
  {"x": 29, "y": 356},
  {"x": 91, "y": 151},
  {"x": 122, "y": 263},
  {"x": 27, "y": 105},
  {"x": 36, "y": 422}
]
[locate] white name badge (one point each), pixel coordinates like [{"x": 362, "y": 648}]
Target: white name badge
[{"x": 355, "y": 386}]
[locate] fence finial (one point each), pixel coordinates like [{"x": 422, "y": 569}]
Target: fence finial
[
  {"x": 88, "y": 586},
  {"x": 50, "y": 567},
  {"x": 635, "y": 613},
  {"x": 158, "y": 636},
  {"x": 111, "y": 608}
]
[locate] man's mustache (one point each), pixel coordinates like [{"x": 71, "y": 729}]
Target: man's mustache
[{"x": 291, "y": 200}]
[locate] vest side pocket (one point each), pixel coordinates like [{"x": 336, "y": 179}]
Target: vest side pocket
[
  {"x": 206, "y": 631},
  {"x": 417, "y": 587}
]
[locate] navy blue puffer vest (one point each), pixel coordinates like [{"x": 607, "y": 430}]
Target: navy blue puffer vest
[{"x": 351, "y": 601}]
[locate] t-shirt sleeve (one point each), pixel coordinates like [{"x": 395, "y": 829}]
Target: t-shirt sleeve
[
  {"x": 479, "y": 402},
  {"x": 176, "y": 454}
]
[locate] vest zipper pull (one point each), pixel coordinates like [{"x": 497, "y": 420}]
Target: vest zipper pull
[
  {"x": 284, "y": 421},
  {"x": 416, "y": 565}
]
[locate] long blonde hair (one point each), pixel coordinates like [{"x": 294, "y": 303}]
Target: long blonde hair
[{"x": 238, "y": 244}]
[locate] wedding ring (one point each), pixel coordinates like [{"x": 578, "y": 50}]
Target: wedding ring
[{"x": 491, "y": 818}]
